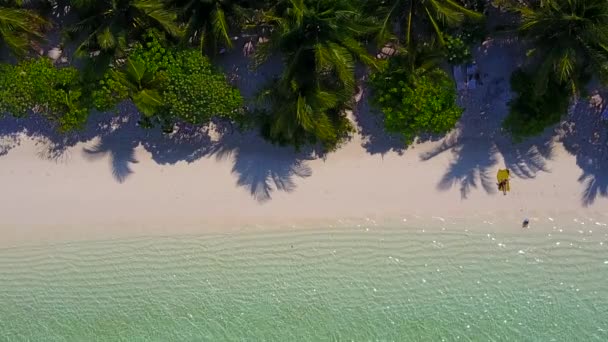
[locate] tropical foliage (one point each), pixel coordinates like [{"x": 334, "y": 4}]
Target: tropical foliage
[
  {"x": 531, "y": 112},
  {"x": 570, "y": 39},
  {"x": 19, "y": 27},
  {"x": 319, "y": 43},
  {"x": 106, "y": 26},
  {"x": 419, "y": 16},
  {"x": 415, "y": 99},
  {"x": 196, "y": 92},
  {"x": 457, "y": 51},
  {"x": 155, "y": 54},
  {"x": 168, "y": 85},
  {"x": 38, "y": 86},
  {"x": 570, "y": 45},
  {"x": 209, "y": 22}
]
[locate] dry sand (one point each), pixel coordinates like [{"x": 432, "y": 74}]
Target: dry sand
[
  {"x": 80, "y": 197},
  {"x": 116, "y": 179}
]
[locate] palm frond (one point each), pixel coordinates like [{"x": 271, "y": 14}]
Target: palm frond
[
  {"x": 18, "y": 27},
  {"x": 384, "y": 30},
  {"x": 438, "y": 31},
  {"x": 105, "y": 39},
  {"x": 135, "y": 70},
  {"x": 220, "y": 26},
  {"x": 147, "y": 101},
  {"x": 565, "y": 66}
]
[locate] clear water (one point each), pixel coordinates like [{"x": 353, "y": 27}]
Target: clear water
[{"x": 341, "y": 285}]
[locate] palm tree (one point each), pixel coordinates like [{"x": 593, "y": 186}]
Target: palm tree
[
  {"x": 571, "y": 40},
  {"x": 318, "y": 42},
  {"x": 208, "y": 22},
  {"x": 437, "y": 13},
  {"x": 108, "y": 24},
  {"x": 19, "y": 27},
  {"x": 142, "y": 86}
]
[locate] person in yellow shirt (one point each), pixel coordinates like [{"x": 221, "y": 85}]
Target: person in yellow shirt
[{"x": 503, "y": 180}]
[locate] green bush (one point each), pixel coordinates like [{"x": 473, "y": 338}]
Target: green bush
[
  {"x": 456, "y": 50},
  {"x": 423, "y": 101},
  {"x": 170, "y": 85},
  {"x": 530, "y": 112},
  {"x": 38, "y": 85},
  {"x": 196, "y": 92}
]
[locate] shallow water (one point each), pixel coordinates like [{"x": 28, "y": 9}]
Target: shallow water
[{"x": 356, "y": 284}]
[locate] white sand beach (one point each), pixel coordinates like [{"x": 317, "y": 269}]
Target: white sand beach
[
  {"x": 124, "y": 190},
  {"x": 116, "y": 179}
]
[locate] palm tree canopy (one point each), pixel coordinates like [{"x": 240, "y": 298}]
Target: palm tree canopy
[
  {"x": 18, "y": 27},
  {"x": 319, "y": 43},
  {"x": 320, "y": 36},
  {"x": 142, "y": 85},
  {"x": 571, "y": 38},
  {"x": 429, "y": 14},
  {"x": 208, "y": 21},
  {"x": 107, "y": 23}
]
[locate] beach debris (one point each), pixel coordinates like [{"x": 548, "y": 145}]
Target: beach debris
[
  {"x": 248, "y": 49},
  {"x": 55, "y": 53},
  {"x": 596, "y": 101},
  {"x": 388, "y": 50}
]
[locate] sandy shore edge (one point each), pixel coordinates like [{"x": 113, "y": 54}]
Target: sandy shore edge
[{"x": 263, "y": 186}]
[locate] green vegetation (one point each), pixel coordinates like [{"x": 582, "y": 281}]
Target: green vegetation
[
  {"x": 532, "y": 112},
  {"x": 457, "y": 51},
  {"x": 106, "y": 27},
  {"x": 156, "y": 54},
  {"x": 168, "y": 85},
  {"x": 415, "y": 99},
  {"x": 570, "y": 39},
  {"x": 19, "y": 27},
  {"x": 320, "y": 45},
  {"x": 38, "y": 86},
  {"x": 433, "y": 15},
  {"x": 208, "y": 22}
]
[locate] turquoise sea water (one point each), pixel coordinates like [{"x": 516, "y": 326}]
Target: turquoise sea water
[{"x": 359, "y": 284}]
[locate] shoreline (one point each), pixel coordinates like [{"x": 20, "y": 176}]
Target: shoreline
[
  {"x": 592, "y": 226},
  {"x": 260, "y": 185}
]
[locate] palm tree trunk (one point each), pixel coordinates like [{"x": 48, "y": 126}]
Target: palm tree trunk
[{"x": 408, "y": 32}]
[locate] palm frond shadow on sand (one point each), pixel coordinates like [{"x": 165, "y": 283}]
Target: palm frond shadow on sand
[
  {"x": 121, "y": 152},
  {"x": 470, "y": 168},
  {"x": 259, "y": 167},
  {"x": 588, "y": 141},
  {"x": 476, "y": 156},
  {"x": 262, "y": 168}
]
